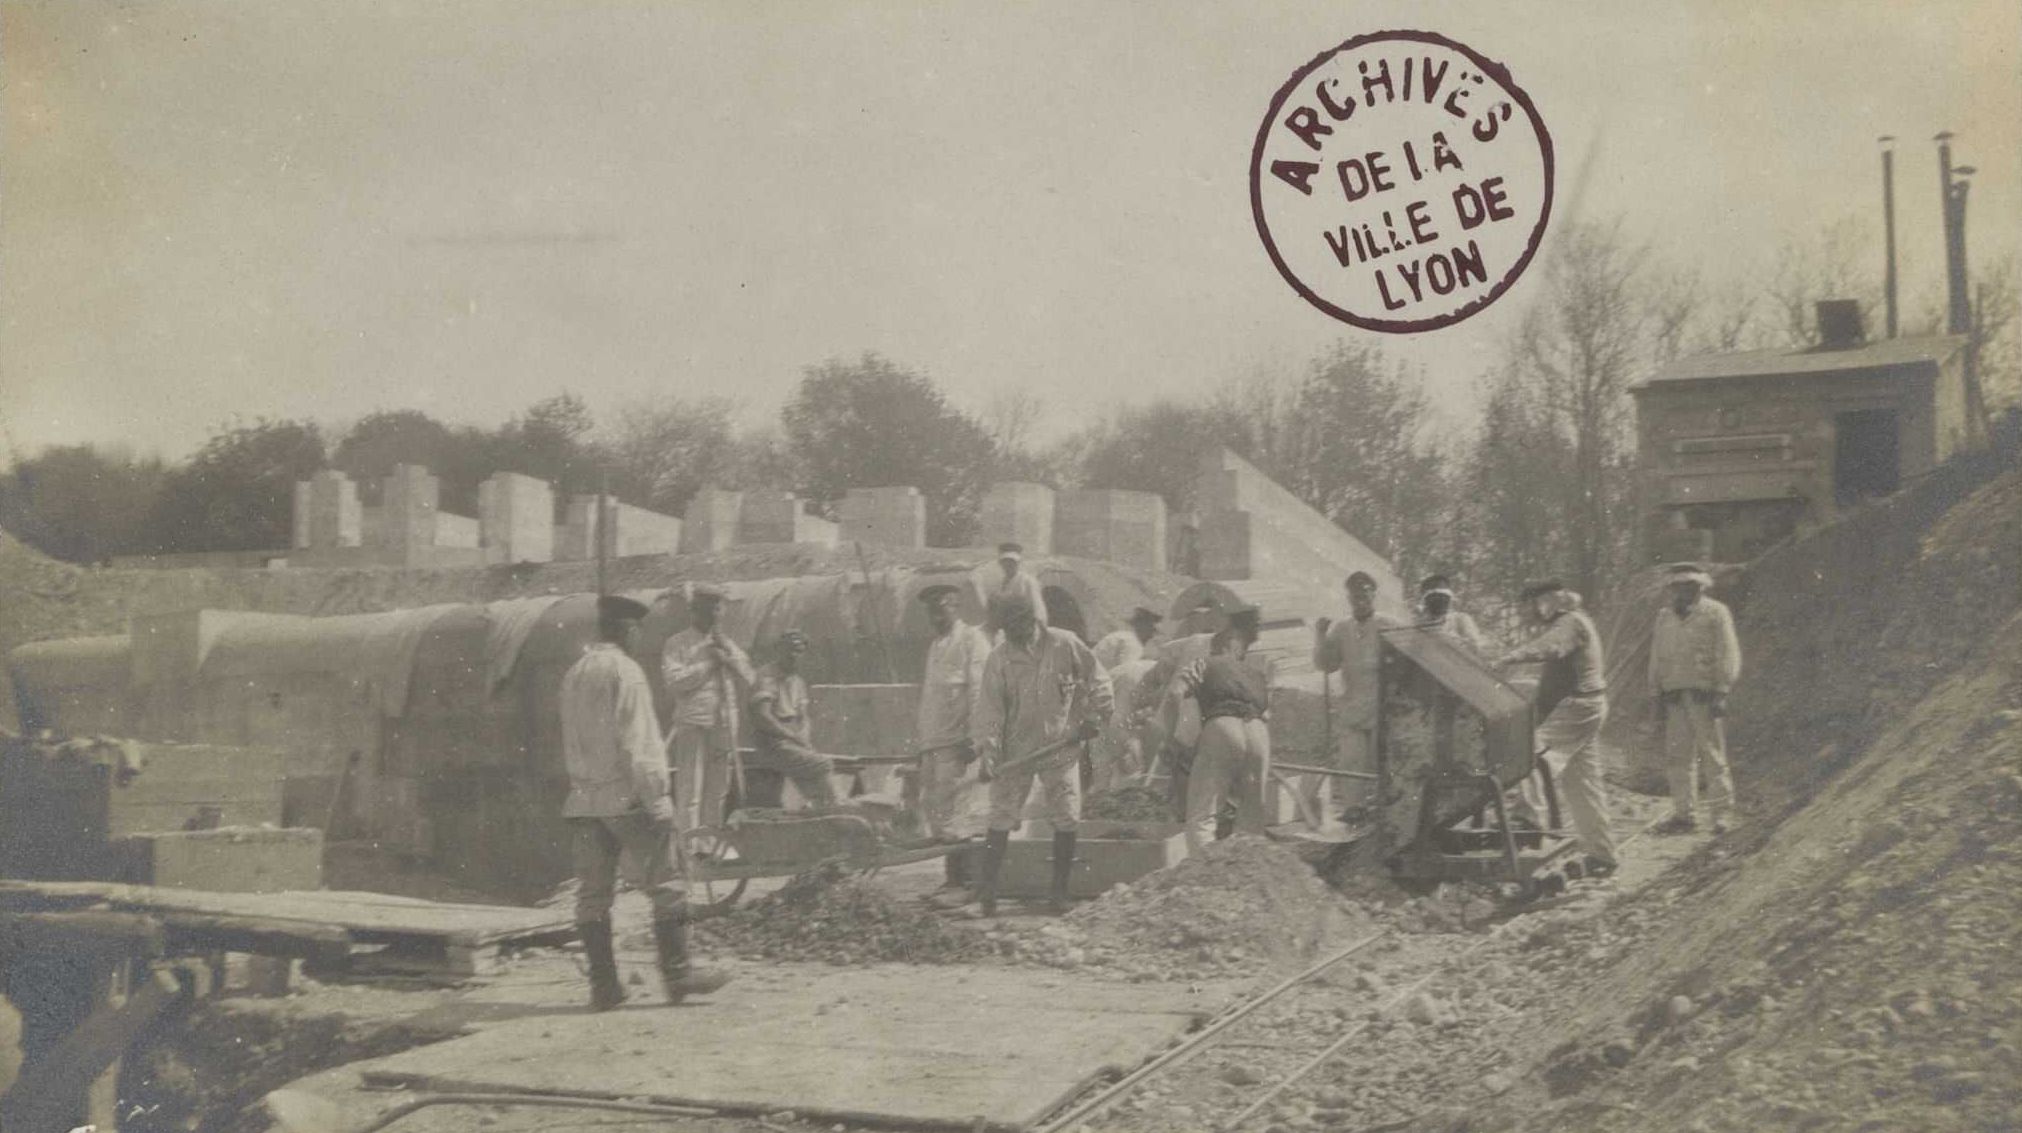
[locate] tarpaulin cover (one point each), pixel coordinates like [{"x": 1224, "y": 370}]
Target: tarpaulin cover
[{"x": 376, "y": 650}]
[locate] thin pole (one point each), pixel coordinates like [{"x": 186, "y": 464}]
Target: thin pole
[
  {"x": 1889, "y": 230},
  {"x": 599, "y": 529}
]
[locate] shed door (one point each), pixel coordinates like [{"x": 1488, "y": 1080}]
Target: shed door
[{"x": 1866, "y": 454}]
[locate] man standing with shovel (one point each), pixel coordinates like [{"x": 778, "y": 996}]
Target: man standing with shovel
[{"x": 1044, "y": 695}]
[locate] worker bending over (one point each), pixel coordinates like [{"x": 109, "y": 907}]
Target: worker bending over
[
  {"x": 1232, "y": 760},
  {"x": 953, "y": 800},
  {"x": 1572, "y": 699},
  {"x": 707, "y": 676},
  {"x": 1695, "y": 658},
  {"x": 1042, "y": 688},
  {"x": 618, "y": 804},
  {"x": 779, "y": 716}
]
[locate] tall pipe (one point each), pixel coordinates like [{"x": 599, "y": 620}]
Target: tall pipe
[
  {"x": 1961, "y": 320},
  {"x": 1954, "y": 283},
  {"x": 1889, "y": 230}
]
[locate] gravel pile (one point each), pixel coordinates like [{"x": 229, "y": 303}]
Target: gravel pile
[
  {"x": 831, "y": 915},
  {"x": 1128, "y": 804},
  {"x": 1240, "y": 907}
]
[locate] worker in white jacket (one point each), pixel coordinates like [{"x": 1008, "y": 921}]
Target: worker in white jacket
[{"x": 1695, "y": 658}]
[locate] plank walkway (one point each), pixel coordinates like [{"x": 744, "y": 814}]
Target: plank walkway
[{"x": 894, "y": 1045}]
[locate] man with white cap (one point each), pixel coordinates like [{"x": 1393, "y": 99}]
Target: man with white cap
[
  {"x": 618, "y": 805},
  {"x": 1017, "y": 582},
  {"x": 1437, "y": 613},
  {"x": 1695, "y": 658}
]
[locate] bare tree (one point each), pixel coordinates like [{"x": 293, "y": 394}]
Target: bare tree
[{"x": 1835, "y": 263}]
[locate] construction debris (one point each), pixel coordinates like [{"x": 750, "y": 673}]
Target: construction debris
[{"x": 833, "y": 915}]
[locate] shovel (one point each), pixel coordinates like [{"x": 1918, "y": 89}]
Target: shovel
[{"x": 299, "y": 1111}]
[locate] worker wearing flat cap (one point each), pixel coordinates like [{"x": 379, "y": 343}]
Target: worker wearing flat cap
[
  {"x": 954, "y": 801},
  {"x": 1016, "y": 582},
  {"x": 618, "y": 804},
  {"x": 707, "y": 676},
  {"x": 1437, "y": 612},
  {"x": 1044, "y": 695},
  {"x": 1118, "y": 754},
  {"x": 1695, "y": 658},
  {"x": 1572, "y": 703},
  {"x": 779, "y": 718},
  {"x": 1352, "y": 648}
]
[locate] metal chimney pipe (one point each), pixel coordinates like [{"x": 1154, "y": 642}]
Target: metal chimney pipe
[
  {"x": 1889, "y": 230},
  {"x": 1961, "y": 320},
  {"x": 1946, "y": 209}
]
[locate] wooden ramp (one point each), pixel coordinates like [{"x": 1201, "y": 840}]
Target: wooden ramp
[
  {"x": 407, "y": 934},
  {"x": 897, "y": 1046}
]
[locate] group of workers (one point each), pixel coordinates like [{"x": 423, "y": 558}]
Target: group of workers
[{"x": 1009, "y": 710}]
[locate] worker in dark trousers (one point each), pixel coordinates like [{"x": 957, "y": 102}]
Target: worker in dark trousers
[
  {"x": 1041, "y": 687},
  {"x": 1232, "y": 762},
  {"x": 619, "y": 804}
]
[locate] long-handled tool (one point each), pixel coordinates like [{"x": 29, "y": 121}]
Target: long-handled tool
[
  {"x": 1041, "y": 755},
  {"x": 299, "y": 1111}
]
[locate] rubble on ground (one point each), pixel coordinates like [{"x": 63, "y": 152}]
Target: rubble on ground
[
  {"x": 1128, "y": 804},
  {"x": 1240, "y": 907},
  {"x": 833, "y": 915}
]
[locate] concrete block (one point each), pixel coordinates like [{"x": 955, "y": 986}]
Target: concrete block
[
  {"x": 1105, "y": 855},
  {"x": 298, "y": 516},
  {"x": 1014, "y": 511},
  {"x": 885, "y": 517},
  {"x": 632, "y": 530},
  {"x": 712, "y": 521},
  {"x": 1128, "y": 528},
  {"x": 771, "y": 516},
  {"x": 409, "y": 503},
  {"x": 226, "y": 860},
  {"x": 333, "y": 517},
  {"x": 456, "y": 532},
  {"x": 516, "y": 519}
]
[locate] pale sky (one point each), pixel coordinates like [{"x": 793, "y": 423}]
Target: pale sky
[{"x": 318, "y": 210}]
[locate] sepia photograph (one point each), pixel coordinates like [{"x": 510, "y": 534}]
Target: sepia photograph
[{"x": 841, "y": 566}]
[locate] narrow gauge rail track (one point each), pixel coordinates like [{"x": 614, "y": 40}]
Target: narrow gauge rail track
[{"x": 1251, "y": 1023}]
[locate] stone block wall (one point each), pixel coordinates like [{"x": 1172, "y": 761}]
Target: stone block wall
[
  {"x": 713, "y": 520},
  {"x": 516, "y": 515},
  {"x": 1014, "y": 511},
  {"x": 1118, "y": 526},
  {"x": 886, "y": 517}
]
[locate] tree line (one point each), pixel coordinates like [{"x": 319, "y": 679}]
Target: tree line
[{"x": 1538, "y": 483}]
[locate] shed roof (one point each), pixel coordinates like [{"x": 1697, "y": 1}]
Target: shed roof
[{"x": 1799, "y": 362}]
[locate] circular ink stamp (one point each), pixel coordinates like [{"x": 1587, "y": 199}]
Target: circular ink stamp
[{"x": 1401, "y": 182}]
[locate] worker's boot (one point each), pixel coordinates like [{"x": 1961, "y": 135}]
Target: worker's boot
[
  {"x": 1063, "y": 868},
  {"x": 605, "y": 990},
  {"x": 995, "y": 844},
  {"x": 680, "y": 977}
]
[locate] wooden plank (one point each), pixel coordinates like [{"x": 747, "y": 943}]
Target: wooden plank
[
  {"x": 204, "y": 932},
  {"x": 89, "y": 929},
  {"x": 894, "y": 1046}
]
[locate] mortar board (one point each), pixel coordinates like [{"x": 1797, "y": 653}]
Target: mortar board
[
  {"x": 616, "y": 608},
  {"x": 1436, "y": 584},
  {"x": 1361, "y": 578},
  {"x": 1013, "y": 551}
]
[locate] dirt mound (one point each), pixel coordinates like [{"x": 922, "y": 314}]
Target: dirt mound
[
  {"x": 832, "y": 915},
  {"x": 1843, "y": 962},
  {"x": 1239, "y": 907}
]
